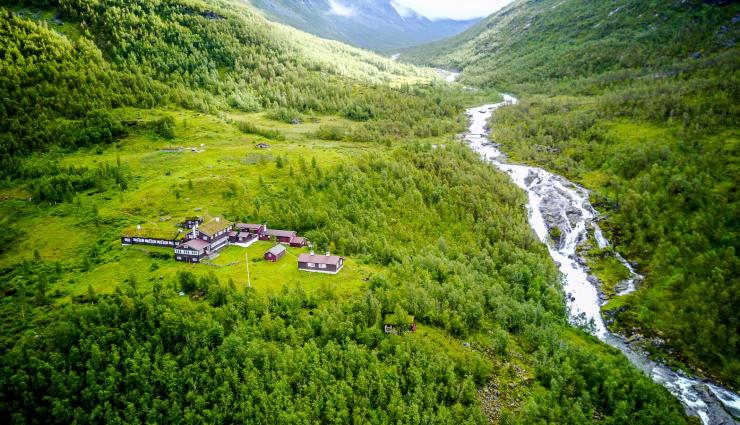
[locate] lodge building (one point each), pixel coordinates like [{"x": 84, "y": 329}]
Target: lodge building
[
  {"x": 215, "y": 232},
  {"x": 204, "y": 240},
  {"x": 192, "y": 251}
]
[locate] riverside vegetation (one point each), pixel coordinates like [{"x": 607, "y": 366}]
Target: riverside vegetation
[
  {"x": 367, "y": 167},
  {"x": 638, "y": 101}
]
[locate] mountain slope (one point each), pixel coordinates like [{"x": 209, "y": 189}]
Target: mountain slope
[
  {"x": 206, "y": 57},
  {"x": 639, "y": 102},
  {"x": 528, "y": 41},
  {"x": 370, "y": 24}
]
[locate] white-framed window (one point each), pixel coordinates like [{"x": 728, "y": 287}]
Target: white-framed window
[
  {"x": 322, "y": 266},
  {"x": 311, "y": 265}
]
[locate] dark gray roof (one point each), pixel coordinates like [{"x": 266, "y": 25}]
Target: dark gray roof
[
  {"x": 281, "y": 233},
  {"x": 276, "y": 250},
  {"x": 319, "y": 259},
  {"x": 197, "y": 244}
]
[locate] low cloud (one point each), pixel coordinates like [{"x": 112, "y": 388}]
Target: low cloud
[
  {"x": 340, "y": 9},
  {"x": 446, "y": 9}
]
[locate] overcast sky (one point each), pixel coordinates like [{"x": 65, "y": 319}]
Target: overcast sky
[{"x": 451, "y": 9}]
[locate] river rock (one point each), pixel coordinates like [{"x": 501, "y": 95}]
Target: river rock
[
  {"x": 552, "y": 211},
  {"x": 530, "y": 178},
  {"x": 622, "y": 286},
  {"x": 717, "y": 415},
  {"x": 656, "y": 342},
  {"x": 573, "y": 214}
]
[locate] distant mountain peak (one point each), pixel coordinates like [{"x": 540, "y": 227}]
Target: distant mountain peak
[
  {"x": 403, "y": 11},
  {"x": 382, "y": 25}
]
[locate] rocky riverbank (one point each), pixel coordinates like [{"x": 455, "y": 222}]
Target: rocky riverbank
[{"x": 564, "y": 219}]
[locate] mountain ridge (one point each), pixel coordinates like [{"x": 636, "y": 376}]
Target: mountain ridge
[{"x": 375, "y": 25}]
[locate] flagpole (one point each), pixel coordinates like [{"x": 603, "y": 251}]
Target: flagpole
[{"x": 246, "y": 259}]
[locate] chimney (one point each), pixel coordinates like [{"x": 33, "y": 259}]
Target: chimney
[
  {"x": 218, "y": 219},
  {"x": 311, "y": 252}
]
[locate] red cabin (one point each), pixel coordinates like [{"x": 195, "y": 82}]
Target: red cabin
[
  {"x": 298, "y": 242},
  {"x": 275, "y": 253},
  {"x": 282, "y": 236}
]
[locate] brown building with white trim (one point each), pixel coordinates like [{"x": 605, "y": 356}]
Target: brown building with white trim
[
  {"x": 215, "y": 232},
  {"x": 331, "y": 264},
  {"x": 192, "y": 251}
]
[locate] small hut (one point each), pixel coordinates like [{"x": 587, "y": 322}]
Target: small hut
[{"x": 275, "y": 253}]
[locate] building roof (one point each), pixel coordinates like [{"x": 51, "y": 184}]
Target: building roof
[
  {"x": 214, "y": 226},
  {"x": 319, "y": 259},
  {"x": 197, "y": 244},
  {"x": 245, "y": 235},
  {"x": 276, "y": 250},
  {"x": 281, "y": 233},
  {"x": 298, "y": 239},
  {"x": 153, "y": 232},
  {"x": 250, "y": 226}
]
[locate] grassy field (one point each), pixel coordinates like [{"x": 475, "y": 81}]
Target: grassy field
[{"x": 224, "y": 175}]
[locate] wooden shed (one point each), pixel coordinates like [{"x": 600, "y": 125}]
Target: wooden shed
[{"x": 275, "y": 253}]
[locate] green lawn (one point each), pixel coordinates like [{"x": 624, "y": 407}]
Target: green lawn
[
  {"x": 224, "y": 178},
  {"x": 269, "y": 276}
]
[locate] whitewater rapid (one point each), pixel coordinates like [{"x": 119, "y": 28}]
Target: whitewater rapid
[{"x": 555, "y": 201}]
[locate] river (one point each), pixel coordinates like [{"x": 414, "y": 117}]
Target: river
[{"x": 555, "y": 201}]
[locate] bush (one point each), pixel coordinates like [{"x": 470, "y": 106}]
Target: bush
[
  {"x": 165, "y": 127},
  {"x": 285, "y": 115},
  {"x": 330, "y": 132},
  {"x": 267, "y": 133}
]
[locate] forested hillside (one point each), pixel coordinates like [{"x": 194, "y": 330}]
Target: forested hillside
[
  {"x": 638, "y": 101},
  {"x": 118, "y": 114},
  {"x": 66, "y": 67}
]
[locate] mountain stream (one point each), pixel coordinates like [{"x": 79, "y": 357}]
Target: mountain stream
[{"x": 555, "y": 201}]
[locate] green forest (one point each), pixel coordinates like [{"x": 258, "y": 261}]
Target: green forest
[
  {"x": 361, "y": 158},
  {"x": 141, "y": 354},
  {"x": 639, "y": 103}
]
